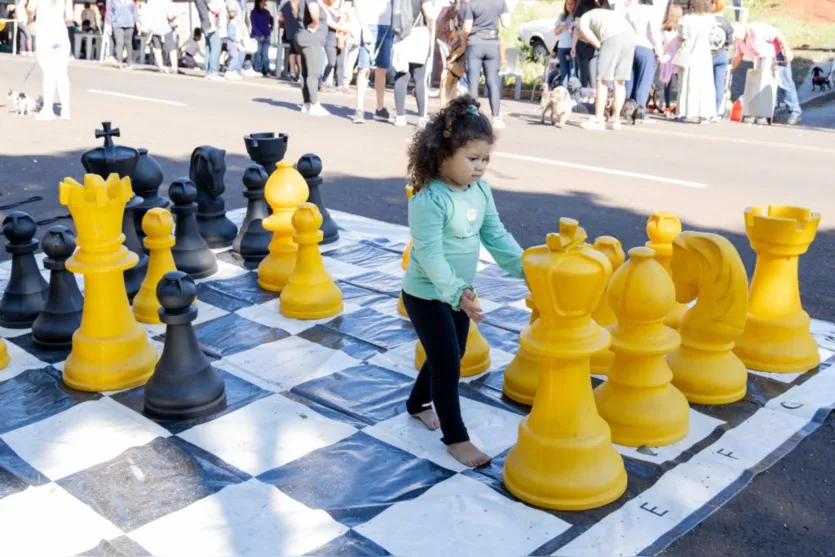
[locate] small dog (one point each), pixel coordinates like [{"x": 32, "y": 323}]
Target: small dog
[
  {"x": 23, "y": 103},
  {"x": 631, "y": 112},
  {"x": 558, "y": 102},
  {"x": 819, "y": 80}
]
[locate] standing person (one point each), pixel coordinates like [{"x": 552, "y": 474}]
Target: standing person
[
  {"x": 310, "y": 40},
  {"x": 235, "y": 50},
  {"x": 452, "y": 35},
  {"x": 262, "y": 29},
  {"x": 451, "y": 214},
  {"x": 334, "y": 53},
  {"x": 643, "y": 18},
  {"x": 123, "y": 16},
  {"x": 375, "y": 51},
  {"x": 761, "y": 40},
  {"x": 291, "y": 27},
  {"x": 211, "y": 12},
  {"x": 583, "y": 53},
  {"x": 481, "y": 36},
  {"x": 697, "y": 99},
  {"x": 52, "y": 49},
  {"x": 564, "y": 30},
  {"x": 157, "y": 17},
  {"x": 721, "y": 37},
  {"x": 671, "y": 45},
  {"x": 351, "y": 50},
  {"x": 24, "y": 29},
  {"x": 410, "y": 25},
  {"x": 607, "y": 31}
]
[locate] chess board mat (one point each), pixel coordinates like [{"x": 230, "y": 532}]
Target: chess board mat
[{"x": 314, "y": 453}]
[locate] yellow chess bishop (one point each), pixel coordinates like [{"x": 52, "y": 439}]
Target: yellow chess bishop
[
  {"x": 4, "y": 354},
  {"x": 521, "y": 375},
  {"x": 476, "y": 357},
  {"x": 603, "y": 314},
  {"x": 157, "y": 225},
  {"x": 404, "y": 261},
  {"x": 776, "y": 336},
  {"x": 638, "y": 401},
  {"x": 110, "y": 351},
  {"x": 662, "y": 229},
  {"x": 310, "y": 292},
  {"x": 708, "y": 267},
  {"x": 285, "y": 191},
  {"x": 564, "y": 458}
]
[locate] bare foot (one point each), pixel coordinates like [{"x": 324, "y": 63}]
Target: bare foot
[
  {"x": 468, "y": 454},
  {"x": 429, "y": 419}
]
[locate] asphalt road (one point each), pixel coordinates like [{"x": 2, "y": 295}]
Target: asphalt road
[{"x": 611, "y": 182}]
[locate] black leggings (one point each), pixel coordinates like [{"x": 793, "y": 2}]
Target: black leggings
[
  {"x": 336, "y": 58},
  {"x": 443, "y": 334},
  {"x": 311, "y": 64},
  {"x": 586, "y": 64},
  {"x": 486, "y": 56},
  {"x": 401, "y": 84}
]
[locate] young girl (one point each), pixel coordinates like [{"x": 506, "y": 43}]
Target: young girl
[
  {"x": 671, "y": 46},
  {"x": 451, "y": 214},
  {"x": 234, "y": 45}
]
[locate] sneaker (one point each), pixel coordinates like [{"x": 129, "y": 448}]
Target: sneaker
[
  {"x": 318, "y": 110},
  {"x": 213, "y": 77},
  {"x": 615, "y": 125},
  {"x": 593, "y": 125},
  {"x": 359, "y": 117},
  {"x": 498, "y": 124},
  {"x": 305, "y": 108},
  {"x": 382, "y": 115},
  {"x": 761, "y": 121},
  {"x": 793, "y": 120},
  {"x": 422, "y": 123},
  {"x": 716, "y": 119},
  {"x": 249, "y": 72},
  {"x": 400, "y": 121},
  {"x": 232, "y": 76}
]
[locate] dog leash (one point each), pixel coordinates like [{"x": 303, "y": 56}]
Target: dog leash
[{"x": 25, "y": 79}]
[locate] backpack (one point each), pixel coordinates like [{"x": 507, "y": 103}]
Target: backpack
[{"x": 717, "y": 37}]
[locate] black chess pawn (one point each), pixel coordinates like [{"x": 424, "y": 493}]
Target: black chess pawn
[
  {"x": 208, "y": 171},
  {"x": 252, "y": 242},
  {"x": 136, "y": 274},
  {"x": 191, "y": 254},
  {"x": 61, "y": 314},
  {"x": 146, "y": 180},
  {"x": 266, "y": 149},
  {"x": 26, "y": 290},
  {"x": 184, "y": 384},
  {"x": 310, "y": 166}
]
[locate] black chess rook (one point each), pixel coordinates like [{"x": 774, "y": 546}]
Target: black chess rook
[
  {"x": 310, "y": 166},
  {"x": 61, "y": 315},
  {"x": 266, "y": 149},
  {"x": 191, "y": 253},
  {"x": 184, "y": 384},
  {"x": 208, "y": 171},
  {"x": 26, "y": 290},
  {"x": 252, "y": 242}
]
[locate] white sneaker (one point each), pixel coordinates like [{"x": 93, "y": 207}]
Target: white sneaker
[
  {"x": 233, "y": 76},
  {"x": 400, "y": 121},
  {"x": 615, "y": 125},
  {"x": 306, "y": 108},
  {"x": 249, "y": 72},
  {"x": 593, "y": 125},
  {"x": 318, "y": 110},
  {"x": 498, "y": 124}
]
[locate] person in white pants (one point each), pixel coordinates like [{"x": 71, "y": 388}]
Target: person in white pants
[{"x": 52, "y": 49}]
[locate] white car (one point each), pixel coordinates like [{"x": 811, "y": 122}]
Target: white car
[{"x": 539, "y": 34}]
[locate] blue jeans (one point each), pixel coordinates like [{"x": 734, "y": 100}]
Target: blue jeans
[
  {"x": 261, "y": 58},
  {"x": 720, "y": 75},
  {"x": 236, "y": 59},
  {"x": 643, "y": 74},
  {"x": 212, "y": 53},
  {"x": 785, "y": 82},
  {"x": 566, "y": 65}
]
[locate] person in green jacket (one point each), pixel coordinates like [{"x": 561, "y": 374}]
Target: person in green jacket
[{"x": 450, "y": 215}]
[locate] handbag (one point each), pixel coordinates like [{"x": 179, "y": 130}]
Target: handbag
[
  {"x": 682, "y": 57},
  {"x": 250, "y": 45}
]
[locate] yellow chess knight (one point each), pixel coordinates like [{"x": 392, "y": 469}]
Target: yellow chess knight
[
  {"x": 110, "y": 351},
  {"x": 564, "y": 458}
]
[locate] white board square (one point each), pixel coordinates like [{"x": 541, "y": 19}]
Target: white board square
[{"x": 268, "y": 314}]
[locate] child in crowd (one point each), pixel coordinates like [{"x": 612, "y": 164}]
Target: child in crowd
[
  {"x": 235, "y": 49},
  {"x": 451, "y": 214},
  {"x": 193, "y": 50},
  {"x": 667, "y": 73}
]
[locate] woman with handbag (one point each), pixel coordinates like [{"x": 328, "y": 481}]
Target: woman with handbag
[
  {"x": 409, "y": 56},
  {"x": 483, "y": 51},
  {"x": 310, "y": 41},
  {"x": 697, "y": 99}
]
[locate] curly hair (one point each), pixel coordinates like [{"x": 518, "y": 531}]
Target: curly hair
[{"x": 452, "y": 128}]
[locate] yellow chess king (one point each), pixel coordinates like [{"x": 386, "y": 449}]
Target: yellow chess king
[
  {"x": 157, "y": 225},
  {"x": 4, "y": 354},
  {"x": 638, "y": 401},
  {"x": 776, "y": 336},
  {"x": 404, "y": 261},
  {"x": 310, "y": 292},
  {"x": 564, "y": 458},
  {"x": 708, "y": 267},
  {"x": 603, "y": 314},
  {"x": 662, "y": 229},
  {"x": 285, "y": 191},
  {"x": 110, "y": 351},
  {"x": 521, "y": 376},
  {"x": 476, "y": 357}
]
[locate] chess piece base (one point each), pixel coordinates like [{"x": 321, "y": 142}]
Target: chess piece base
[
  {"x": 476, "y": 358},
  {"x": 643, "y": 416},
  {"x": 196, "y": 395},
  {"x": 54, "y": 331},
  {"x": 217, "y": 230},
  {"x": 109, "y": 364},
  {"x": 310, "y": 301},
  {"x": 522, "y": 373},
  {"x": 401, "y": 308},
  {"x": 198, "y": 263},
  {"x": 274, "y": 271},
  {"x": 19, "y": 311},
  {"x": 786, "y": 346},
  {"x": 708, "y": 377},
  {"x": 4, "y": 354},
  {"x": 253, "y": 247}
]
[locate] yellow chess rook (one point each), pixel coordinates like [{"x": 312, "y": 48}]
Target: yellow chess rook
[
  {"x": 603, "y": 314},
  {"x": 638, "y": 401},
  {"x": 110, "y": 351},
  {"x": 157, "y": 225},
  {"x": 310, "y": 292},
  {"x": 662, "y": 229},
  {"x": 708, "y": 267},
  {"x": 4, "y": 354},
  {"x": 404, "y": 261},
  {"x": 564, "y": 458},
  {"x": 776, "y": 337},
  {"x": 476, "y": 356},
  {"x": 285, "y": 191},
  {"x": 521, "y": 376}
]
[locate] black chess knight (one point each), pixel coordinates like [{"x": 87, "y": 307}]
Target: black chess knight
[{"x": 208, "y": 172}]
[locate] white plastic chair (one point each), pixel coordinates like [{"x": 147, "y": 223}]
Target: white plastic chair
[{"x": 512, "y": 70}]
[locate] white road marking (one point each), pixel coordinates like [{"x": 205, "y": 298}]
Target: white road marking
[{"x": 135, "y": 97}]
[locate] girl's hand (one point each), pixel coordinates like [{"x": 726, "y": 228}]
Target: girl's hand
[{"x": 470, "y": 306}]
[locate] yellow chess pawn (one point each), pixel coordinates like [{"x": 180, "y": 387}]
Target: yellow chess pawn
[
  {"x": 4, "y": 354},
  {"x": 476, "y": 357},
  {"x": 638, "y": 401},
  {"x": 603, "y": 314},
  {"x": 521, "y": 375},
  {"x": 285, "y": 191},
  {"x": 110, "y": 350},
  {"x": 564, "y": 458},
  {"x": 310, "y": 292},
  {"x": 776, "y": 336},
  {"x": 708, "y": 267},
  {"x": 404, "y": 261},
  {"x": 662, "y": 229},
  {"x": 157, "y": 225}
]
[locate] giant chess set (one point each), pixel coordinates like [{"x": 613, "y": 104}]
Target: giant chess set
[{"x": 179, "y": 379}]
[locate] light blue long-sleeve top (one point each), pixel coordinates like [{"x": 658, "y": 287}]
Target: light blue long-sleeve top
[{"x": 448, "y": 227}]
